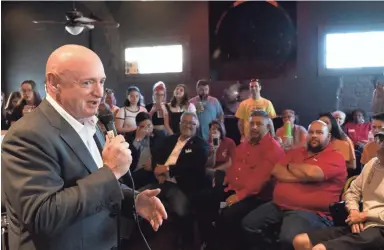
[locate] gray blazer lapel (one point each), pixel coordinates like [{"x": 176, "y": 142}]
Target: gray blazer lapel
[
  {"x": 74, "y": 141},
  {"x": 99, "y": 139},
  {"x": 69, "y": 135}
]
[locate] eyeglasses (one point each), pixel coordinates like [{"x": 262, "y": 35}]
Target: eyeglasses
[
  {"x": 257, "y": 124},
  {"x": 109, "y": 91},
  {"x": 26, "y": 90},
  {"x": 187, "y": 123},
  {"x": 145, "y": 126}
]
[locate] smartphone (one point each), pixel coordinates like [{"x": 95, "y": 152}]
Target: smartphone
[
  {"x": 223, "y": 205},
  {"x": 215, "y": 141}
]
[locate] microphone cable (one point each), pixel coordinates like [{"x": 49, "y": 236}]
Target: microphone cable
[
  {"x": 135, "y": 215},
  {"x": 107, "y": 119}
]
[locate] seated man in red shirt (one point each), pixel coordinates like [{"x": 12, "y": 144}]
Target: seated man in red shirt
[
  {"x": 247, "y": 180},
  {"x": 308, "y": 180},
  {"x": 365, "y": 229}
]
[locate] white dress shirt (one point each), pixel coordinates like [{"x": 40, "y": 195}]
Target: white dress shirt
[
  {"x": 174, "y": 156},
  {"x": 86, "y": 129}
]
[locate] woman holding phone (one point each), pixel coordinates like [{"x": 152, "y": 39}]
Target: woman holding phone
[
  {"x": 222, "y": 151},
  {"x": 158, "y": 110}
]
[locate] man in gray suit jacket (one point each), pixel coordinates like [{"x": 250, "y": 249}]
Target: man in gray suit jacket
[{"x": 60, "y": 193}]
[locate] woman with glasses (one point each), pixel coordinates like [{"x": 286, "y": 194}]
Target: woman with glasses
[
  {"x": 30, "y": 99},
  {"x": 157, "y": 109}
]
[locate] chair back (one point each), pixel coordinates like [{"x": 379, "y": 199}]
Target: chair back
[
  {"x": 359, "y": 166},
  {"x": 338, "y": 210}
]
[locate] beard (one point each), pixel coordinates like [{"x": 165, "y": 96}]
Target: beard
[
  {"x": 203, "y": 96},
  {"x": 254, "y": 140},
  {"x": 317, "y": 148}
]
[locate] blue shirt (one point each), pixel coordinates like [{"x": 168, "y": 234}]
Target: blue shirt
[{"x": 212, "y": 111}]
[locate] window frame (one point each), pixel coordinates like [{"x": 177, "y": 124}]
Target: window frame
[{"x": 324, "y": 30}]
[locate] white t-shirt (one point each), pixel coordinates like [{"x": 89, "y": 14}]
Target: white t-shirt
[
  {"x": 129, "y": 117},
  {"x": 177, "y": 109}
]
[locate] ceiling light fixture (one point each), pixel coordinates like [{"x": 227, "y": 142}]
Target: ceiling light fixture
[{"x": 74, "y": 30}]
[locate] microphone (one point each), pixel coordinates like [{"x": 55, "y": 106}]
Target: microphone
[{"x": 107, "y": 118}]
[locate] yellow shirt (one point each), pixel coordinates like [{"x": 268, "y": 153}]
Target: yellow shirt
[
  {"x": 247, "y": 106},
  {"x": 369, "y": 152}
]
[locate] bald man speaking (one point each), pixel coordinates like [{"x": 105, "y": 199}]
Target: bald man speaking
[{"x": 60, "y": 183}]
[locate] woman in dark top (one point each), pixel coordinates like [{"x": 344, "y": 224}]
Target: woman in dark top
[
  {"x": 178, "y": 105},
  {"x": 30, "y": 99},
  {"x": 157, "y": 110}
]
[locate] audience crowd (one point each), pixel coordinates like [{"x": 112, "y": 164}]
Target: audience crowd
[{"x": 274, "y": 188}]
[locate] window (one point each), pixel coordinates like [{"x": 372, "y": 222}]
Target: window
[
  {"x": 155, "y": 59},
  {"x": 354, "y": 50}
]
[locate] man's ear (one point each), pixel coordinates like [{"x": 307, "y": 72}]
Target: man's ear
[
  {"x": 52, "y": 82},
  {"x": 269, "y": 126}
]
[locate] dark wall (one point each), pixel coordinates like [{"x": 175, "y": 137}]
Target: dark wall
[
  {"x": 25, "y": 51},
  {"x": 152, "y": 23},
  {"x": 301, "y": 88},
  {"x": 25, "y": 48}
]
